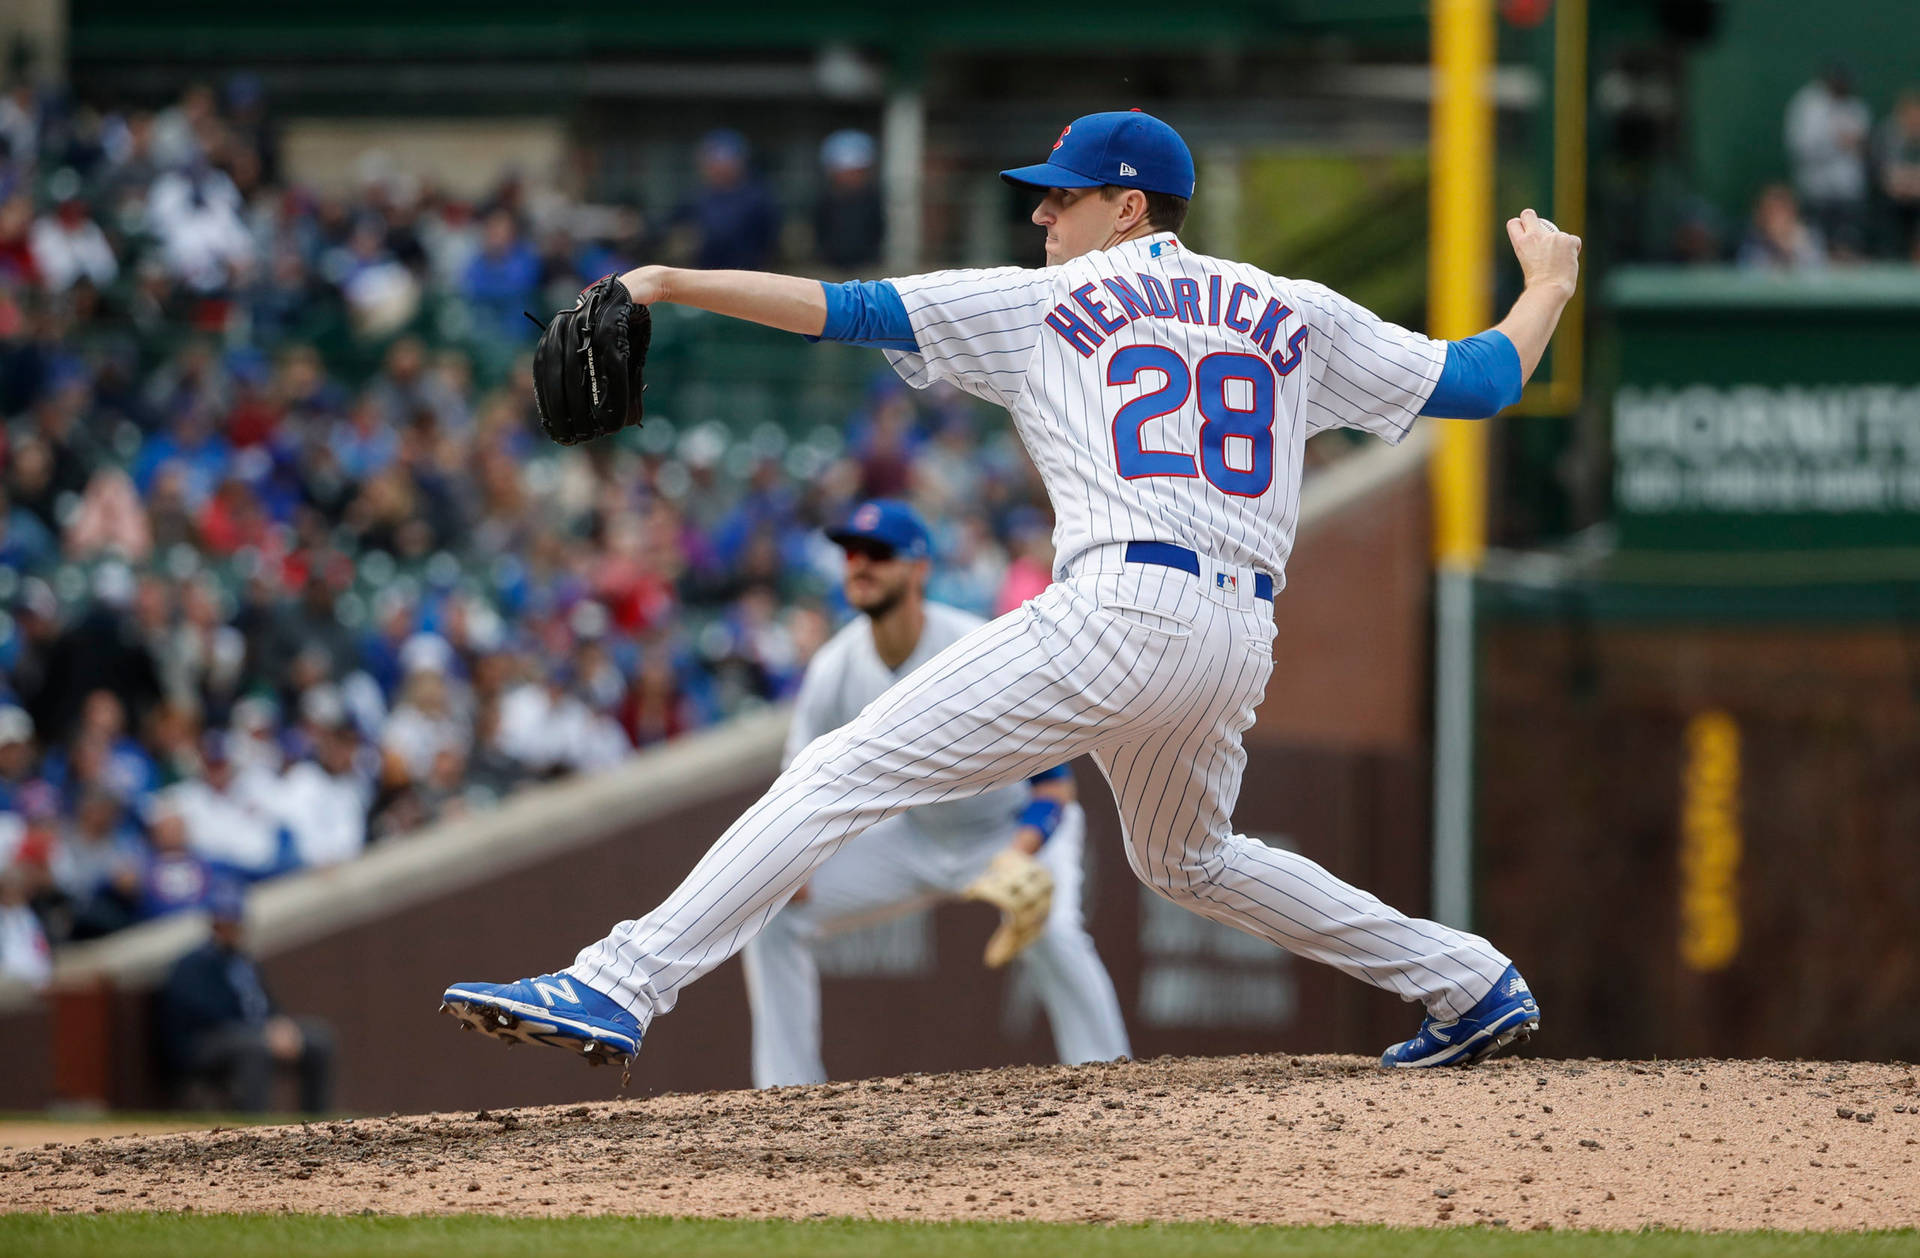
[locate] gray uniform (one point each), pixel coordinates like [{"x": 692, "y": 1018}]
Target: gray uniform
[{"x": 926, "y": 854}]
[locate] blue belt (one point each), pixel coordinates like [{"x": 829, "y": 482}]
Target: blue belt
[{"x": 1167, "y": 555}]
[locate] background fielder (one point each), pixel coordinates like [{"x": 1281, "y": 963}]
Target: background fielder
[
  {"x": 1166, "y": 398},
  {"x": 934, "y": 852}
]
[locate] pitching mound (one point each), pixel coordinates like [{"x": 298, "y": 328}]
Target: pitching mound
[{"x": 1522, "y": 1144}]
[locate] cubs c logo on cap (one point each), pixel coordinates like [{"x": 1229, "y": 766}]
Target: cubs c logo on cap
[
  {"x": 1131, "y": 149},
  {"x": 889, "y": 522}
]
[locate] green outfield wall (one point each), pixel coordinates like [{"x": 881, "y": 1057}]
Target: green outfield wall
[{"x": 1763, "y": 412}]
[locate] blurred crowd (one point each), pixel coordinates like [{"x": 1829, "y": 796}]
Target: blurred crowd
[
  {"x": 263, "y": 608},
  {"x": 1852, "y": 192}
]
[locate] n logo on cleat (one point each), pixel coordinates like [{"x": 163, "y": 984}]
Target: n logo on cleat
[{"x": 562, "y": 989}]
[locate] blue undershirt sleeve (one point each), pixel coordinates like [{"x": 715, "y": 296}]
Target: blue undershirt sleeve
[
  {"x": 1481, "y": 378},
  {"x": 1043, "y": 815},
  {"x": 867, "y": 312}
]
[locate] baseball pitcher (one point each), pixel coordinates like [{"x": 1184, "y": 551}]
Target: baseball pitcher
[{"x": 1165, "y": 397}]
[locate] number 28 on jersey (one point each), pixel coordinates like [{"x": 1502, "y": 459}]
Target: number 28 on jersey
[{"x": 1233, "y": 391}]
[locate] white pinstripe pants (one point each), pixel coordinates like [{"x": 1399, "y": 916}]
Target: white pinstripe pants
[
  {"x": 1154, "y": 672},
  {"x": 893, "y": 869}
]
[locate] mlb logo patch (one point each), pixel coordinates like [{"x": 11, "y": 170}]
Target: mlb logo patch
[{"x": 1226, "y": 581}]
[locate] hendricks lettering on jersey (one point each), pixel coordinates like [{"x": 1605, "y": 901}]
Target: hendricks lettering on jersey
[{"x": 1088, "y": 320}]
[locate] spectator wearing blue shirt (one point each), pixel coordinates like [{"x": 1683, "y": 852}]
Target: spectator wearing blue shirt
[
  {"x": 733, "y": 216},
  {"x": 100, "y": 755},
  {"x": 218, "y": 1024},
  {"x": 503, "y": 278},
  {"x": 173, "y": 878},
  {"x": 769, "y": 504},
  {"x": 193, "y": 443}
]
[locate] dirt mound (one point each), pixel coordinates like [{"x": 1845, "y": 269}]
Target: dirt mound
[
  {"x": 1519, "y": 1144},
  {"x": 20, "y": 1134}
]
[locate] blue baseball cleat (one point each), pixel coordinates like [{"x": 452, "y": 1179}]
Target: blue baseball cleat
[
  {"x": 554, "y": 1009},
  {"x": 1505, "y": 1015}
]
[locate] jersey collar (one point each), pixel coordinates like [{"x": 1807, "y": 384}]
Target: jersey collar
[{"x": 1158, "y": 245}]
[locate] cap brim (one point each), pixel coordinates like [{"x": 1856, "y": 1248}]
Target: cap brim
[
  {"x": 840, "y": 537},
  {"x": 1048, "y": 175}
]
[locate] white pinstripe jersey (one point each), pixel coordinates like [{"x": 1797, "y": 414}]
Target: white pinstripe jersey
[
  {"x": 1165, "y": 395},
  {"x": 847, "y": 673}
]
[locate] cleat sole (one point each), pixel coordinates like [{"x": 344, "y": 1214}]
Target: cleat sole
[
  {"x": 512, "y": 1028},
  {"x": 1503, "y": 1041},
  {"x": 1487, "y": 1047}
]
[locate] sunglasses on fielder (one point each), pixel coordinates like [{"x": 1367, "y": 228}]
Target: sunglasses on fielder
[{"x": 878, "y": 552}]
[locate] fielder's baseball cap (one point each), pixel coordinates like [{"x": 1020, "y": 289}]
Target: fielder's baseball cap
[
  {"x": 890, "y": 523},
  {"x": 1128, "y": 149}
]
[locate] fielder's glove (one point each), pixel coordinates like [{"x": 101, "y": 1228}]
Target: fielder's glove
[
  {"x": 588, "y": 370},
  {"x": 1022, "y": 889}
]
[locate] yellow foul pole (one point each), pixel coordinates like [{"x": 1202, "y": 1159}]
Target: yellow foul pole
[
  {"x": 1459, "y": 264},
  {"x": 1459, "y": 270}
]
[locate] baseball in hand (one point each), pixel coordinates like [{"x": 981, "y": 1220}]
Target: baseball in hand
[{"x": 1547, "y": 255}]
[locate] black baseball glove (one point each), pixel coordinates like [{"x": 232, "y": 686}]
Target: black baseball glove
[{"x": 589, "y": 368}]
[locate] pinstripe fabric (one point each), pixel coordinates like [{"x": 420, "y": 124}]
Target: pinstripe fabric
[
  {"x": 847, "y": 674},
  {"x": 1153, "y": 671},
  {"x": 930, "y": 853},
  {"x": 987, "y": 332}
]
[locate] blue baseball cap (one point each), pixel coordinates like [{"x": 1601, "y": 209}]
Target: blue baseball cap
[
  {"x": 1126, "y": 148},
  {"x": 724, "y": 143},
  {"x": 890, "y": 523}
]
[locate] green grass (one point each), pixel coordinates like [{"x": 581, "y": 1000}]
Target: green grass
[{"x": 469, "y": 1236}]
